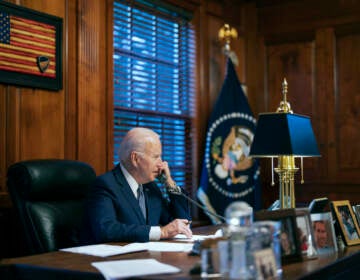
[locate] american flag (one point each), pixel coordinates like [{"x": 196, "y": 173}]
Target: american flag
[{"x": 23, "y": 41}]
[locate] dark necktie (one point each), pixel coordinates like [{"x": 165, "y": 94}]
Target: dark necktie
[{"x": 141, "y": 199}]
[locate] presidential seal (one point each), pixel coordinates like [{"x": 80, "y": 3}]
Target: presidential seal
[{"x": 227, "y": 159}]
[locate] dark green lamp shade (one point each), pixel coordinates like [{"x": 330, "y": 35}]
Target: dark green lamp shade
[{"x": 284, "y": 134}]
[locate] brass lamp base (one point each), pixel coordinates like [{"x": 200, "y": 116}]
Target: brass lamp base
[{"x": 286, "y": 170}]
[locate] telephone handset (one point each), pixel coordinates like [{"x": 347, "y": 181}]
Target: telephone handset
[{"x": 162, "y": 177}]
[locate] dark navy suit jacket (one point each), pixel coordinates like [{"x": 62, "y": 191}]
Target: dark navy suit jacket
[{"x": 112, "y": 212}]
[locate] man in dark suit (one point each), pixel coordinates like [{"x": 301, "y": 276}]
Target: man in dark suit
[{"x": 118, "y": 210}]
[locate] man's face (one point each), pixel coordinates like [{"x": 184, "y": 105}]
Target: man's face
[
  {"x": 150, "y": 162},
  {"x": 320, "y": 234}
]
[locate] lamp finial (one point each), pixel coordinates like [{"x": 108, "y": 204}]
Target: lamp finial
[{"x": 284, "y": 106}]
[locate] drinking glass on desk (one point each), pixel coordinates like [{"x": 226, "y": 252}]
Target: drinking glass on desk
[
  {"x": 211, "y": 258},
  {"x": 223, "y": 247},
  {"x": 239, "y": 214},
  {"x": 210, "y": 263},
  {"x": 239, "y": 218},
  {"x": 263, "y": 243}
]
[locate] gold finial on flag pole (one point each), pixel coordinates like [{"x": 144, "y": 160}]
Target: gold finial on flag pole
[{"x": 226, "y": 34}]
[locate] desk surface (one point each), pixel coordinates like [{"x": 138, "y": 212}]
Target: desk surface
[{"x": 324, "y": 265}]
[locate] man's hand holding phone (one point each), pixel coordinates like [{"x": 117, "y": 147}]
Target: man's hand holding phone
[{"x": 165, "y": 177}]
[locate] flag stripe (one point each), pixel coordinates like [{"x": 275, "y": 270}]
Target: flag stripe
[
  {"x": 31, "y": 33},
  {"x": 25, "y": 71},
  {"x": 35, "y": 25},
  {"x": 28, "y": 40},
  {"x": 36, "y": 42},
  {"x": 24, "y": 50},
  {"x": 9, "y": 59},
  {"x": 22, "y": 53}
]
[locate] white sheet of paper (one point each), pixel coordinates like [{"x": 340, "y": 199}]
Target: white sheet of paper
[
  {"x": 169, "y": 247},
  {"x": 182, "y": 237},
  {"x": 104, "y": 250},
  {"x": 132, "y": 268}
]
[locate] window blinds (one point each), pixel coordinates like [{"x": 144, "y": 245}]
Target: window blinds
[{"x": 153, "y": 79}]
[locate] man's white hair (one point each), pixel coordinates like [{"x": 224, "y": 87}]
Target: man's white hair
[{"x": 136, "y": 140}]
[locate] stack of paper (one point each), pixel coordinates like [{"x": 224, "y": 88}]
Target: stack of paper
[
  {"x": 104, "y": 250},
  {"x": 132, "y": 268}
]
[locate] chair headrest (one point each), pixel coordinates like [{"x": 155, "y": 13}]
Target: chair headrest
[{"x": 50, "y": 178}]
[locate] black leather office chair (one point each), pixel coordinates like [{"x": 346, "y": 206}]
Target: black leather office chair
[{"x": 48, "y": 197}]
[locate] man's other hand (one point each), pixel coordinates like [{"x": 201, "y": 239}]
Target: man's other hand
[{"x": 178, "y": 226}]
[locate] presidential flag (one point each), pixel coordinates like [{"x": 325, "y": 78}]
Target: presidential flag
[
  {"x": 228, "y": 173},
  {"x": 27, "y": 46}
]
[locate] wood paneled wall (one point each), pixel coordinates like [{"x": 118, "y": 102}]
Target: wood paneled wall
[
  {"x": 71, "y": 123},
  {"x": 315, "y": 45}
]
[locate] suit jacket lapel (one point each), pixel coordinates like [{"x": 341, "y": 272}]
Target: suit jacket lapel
[{"x": 127, "y": 193}]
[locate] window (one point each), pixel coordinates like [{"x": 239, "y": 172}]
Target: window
[{"x": 153, "y": 79}]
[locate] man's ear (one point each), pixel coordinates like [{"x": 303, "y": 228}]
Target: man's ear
[{"x": 134, "y": 157}]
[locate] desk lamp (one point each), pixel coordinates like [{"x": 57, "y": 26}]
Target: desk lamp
[{"x": 285, "y": 136}]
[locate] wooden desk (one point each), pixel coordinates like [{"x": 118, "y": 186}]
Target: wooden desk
[{"x": 77, "y": 266}]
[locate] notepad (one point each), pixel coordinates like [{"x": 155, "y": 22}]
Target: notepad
[
  {"x": 104, "y": 250},
  {"x": 168, "y": 246},
  {"x": 132, "y": 268}
]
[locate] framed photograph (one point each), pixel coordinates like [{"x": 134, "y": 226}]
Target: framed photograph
[
  {"x": 305, "y": 233},
  {"x": 324, "y": 232},
  {"x": 317, "y": 205},
  {"x": 30, "y": 47},
  {"x": 265, "y": 264},
  {"x": 356, "y": 209},
  {"x": 289, "y": 240},
  {"x": 346, "y": 221}
]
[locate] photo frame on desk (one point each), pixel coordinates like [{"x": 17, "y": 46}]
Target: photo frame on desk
[
  {"x": 289, "y": 239},
  {"x": 346, "y": 221},
  {"x": 30, "y": 48},
  {"x": 317, "y": 205},
  {"x": 324, "y": 232},
  {"x": 265, "y": 264},
  {"x": 305, "y": 233},
  {"x": 356, "y": 209}
]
